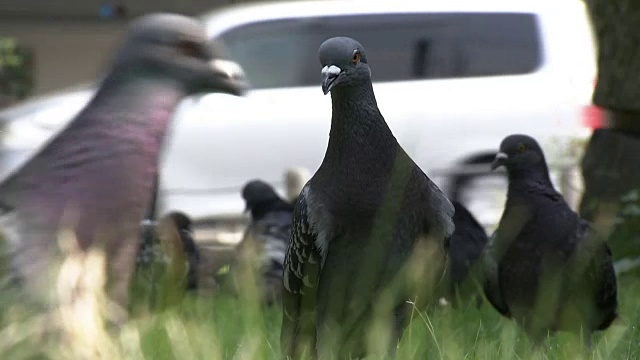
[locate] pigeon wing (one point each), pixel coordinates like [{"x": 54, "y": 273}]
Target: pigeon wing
[
  {"x": 440, "y": 210},
  {"x": 56, "y": 152},
  {"x": 466, "y": 243},
  {"x": 302, "y": 267},
  {"x": 513, "y": 220}
]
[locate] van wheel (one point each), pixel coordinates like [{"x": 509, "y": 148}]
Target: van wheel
[
  {"x": 483, "y": 194},
  {"x": 459, "y": 182}
]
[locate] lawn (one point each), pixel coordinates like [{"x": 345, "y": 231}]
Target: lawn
[{"x": 225, "y": 327}]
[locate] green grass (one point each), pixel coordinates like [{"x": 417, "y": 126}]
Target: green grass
[{"x": 225, "y": 327}]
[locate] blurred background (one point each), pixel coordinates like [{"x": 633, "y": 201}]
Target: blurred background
[
  {"x": 452, "y": 79},
  {"x": 53, "y": 30}
]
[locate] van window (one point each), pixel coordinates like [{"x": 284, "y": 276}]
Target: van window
[
  {"x": 399, "y": 46},
  {"x": 275, "y": 54}
]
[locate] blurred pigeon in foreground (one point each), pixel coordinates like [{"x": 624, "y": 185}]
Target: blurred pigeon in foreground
[
  {"x": 265, "y": 241},
  {"x": 363, "y": 228},
  {"x": 96, "y": 176},
  {"x": 465, "y": 247},
  {"x": 546, "y": 267}
]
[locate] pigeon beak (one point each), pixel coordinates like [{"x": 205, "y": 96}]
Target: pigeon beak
[
  {"x": 231, "y": 78},
  {"x": 330, "y": 76},
  {"x": 500, "y": 160}
]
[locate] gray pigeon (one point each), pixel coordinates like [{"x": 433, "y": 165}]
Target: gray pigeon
[
  {"x": 265, "y": 240},
  {"x": 187, "y": 250},
  {"x": 96, "y": 176},
  {"x": 369, "y": 227},
  {"x": 546, "y": 267},
  {"x": 270, "y": 223}
]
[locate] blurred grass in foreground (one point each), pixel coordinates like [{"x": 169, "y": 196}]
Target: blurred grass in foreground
[
  {"x": 225, "y": 327},
  {"x": 168, "y": 325}
]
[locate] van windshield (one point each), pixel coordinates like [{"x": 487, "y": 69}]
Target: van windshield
[{"x": 283, "y": 53}]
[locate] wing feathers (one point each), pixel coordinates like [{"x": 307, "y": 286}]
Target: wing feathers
[{"x": 300, "y": 280}]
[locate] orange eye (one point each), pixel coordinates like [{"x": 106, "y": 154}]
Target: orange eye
[
  {"x": 189, "y": 48},
  {"x": 522, "y": 147},
  {"x": 356, "y": 57}
]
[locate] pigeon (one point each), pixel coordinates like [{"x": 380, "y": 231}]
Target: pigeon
[
  {"x": 266, "y": 238},
  {"x": 465, "y": 248},
  {"x": 368, "y": 231},
  {"x": 147, "y": 252},
  {"x": 185, "y": 246},
  {"x": 180, "y": 260},
  {"x": 545, "y": 267},
  {"x": 168, "y": 261},
  {"x": 95, "y": 178}
]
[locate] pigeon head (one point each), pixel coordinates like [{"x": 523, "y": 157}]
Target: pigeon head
[
  {"x": 258, "y": 192},
  {"x": 176, "y": 48},
  {"x": 344, "y": 64},
  {"x": 519, "y": 153}
]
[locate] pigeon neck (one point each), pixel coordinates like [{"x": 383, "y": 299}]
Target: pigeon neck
[
  {"x": 531, "y": 177},
  {"x": 137, "y": 100},
  {"x": 357, "y": 126}
]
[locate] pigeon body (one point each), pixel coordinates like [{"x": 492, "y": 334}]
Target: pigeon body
[
  {"x": 168, "y": 261},
  {"x": 96, "y": 177},
  {"x": 465, "y": 248},
  {"x": 367, "y": 227},
  {"x": 265, "y": 241},
  {"x": 188, "y": 250},
  {"x": 546, "y": 267}
]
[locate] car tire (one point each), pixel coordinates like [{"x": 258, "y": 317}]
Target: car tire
[{"x": 486, "y": 205}]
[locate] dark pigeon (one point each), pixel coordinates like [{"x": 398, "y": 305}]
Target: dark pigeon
[
  {"x": 265, "y": 240},
  {"x": 364, "y": 226},
  {"x": 96, "y": 176},
  {"x": 546, "y": 267},
  {"x": 168, "y": 261},
  {"x": 189, "y": 251},
  {"x": 465, "y": 248}
]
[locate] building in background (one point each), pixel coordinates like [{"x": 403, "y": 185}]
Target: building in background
[
  {"x": 72, "y": 42},
  {"x": 16, "y": 71}
]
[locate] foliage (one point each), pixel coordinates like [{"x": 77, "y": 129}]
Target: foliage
[{"x": 16, "y": 70}]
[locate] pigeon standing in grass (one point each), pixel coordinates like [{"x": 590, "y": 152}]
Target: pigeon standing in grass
[
  {"x": 96, "y": 177},
  {"x": 180, "y": 259},
  {"x": 368, "y": 231},
  {"x": 265, "y": 240},
  {"x": 168, "y": 260},
  {"x": 465, "y": 248},
  {"x": 184, "y": 247},
  {"x": 546, "y": 267}
]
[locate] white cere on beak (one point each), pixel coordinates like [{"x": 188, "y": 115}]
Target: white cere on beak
[
  {"x": 231, "y": 68},
  {"x": 331, "y": 70}
]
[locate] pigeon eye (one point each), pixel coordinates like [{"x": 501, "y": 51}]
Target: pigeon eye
[
  {"x": 189, "y": 48},
  {"x": 356, "y": 57},
  {"x": 521, "y": 147}
]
